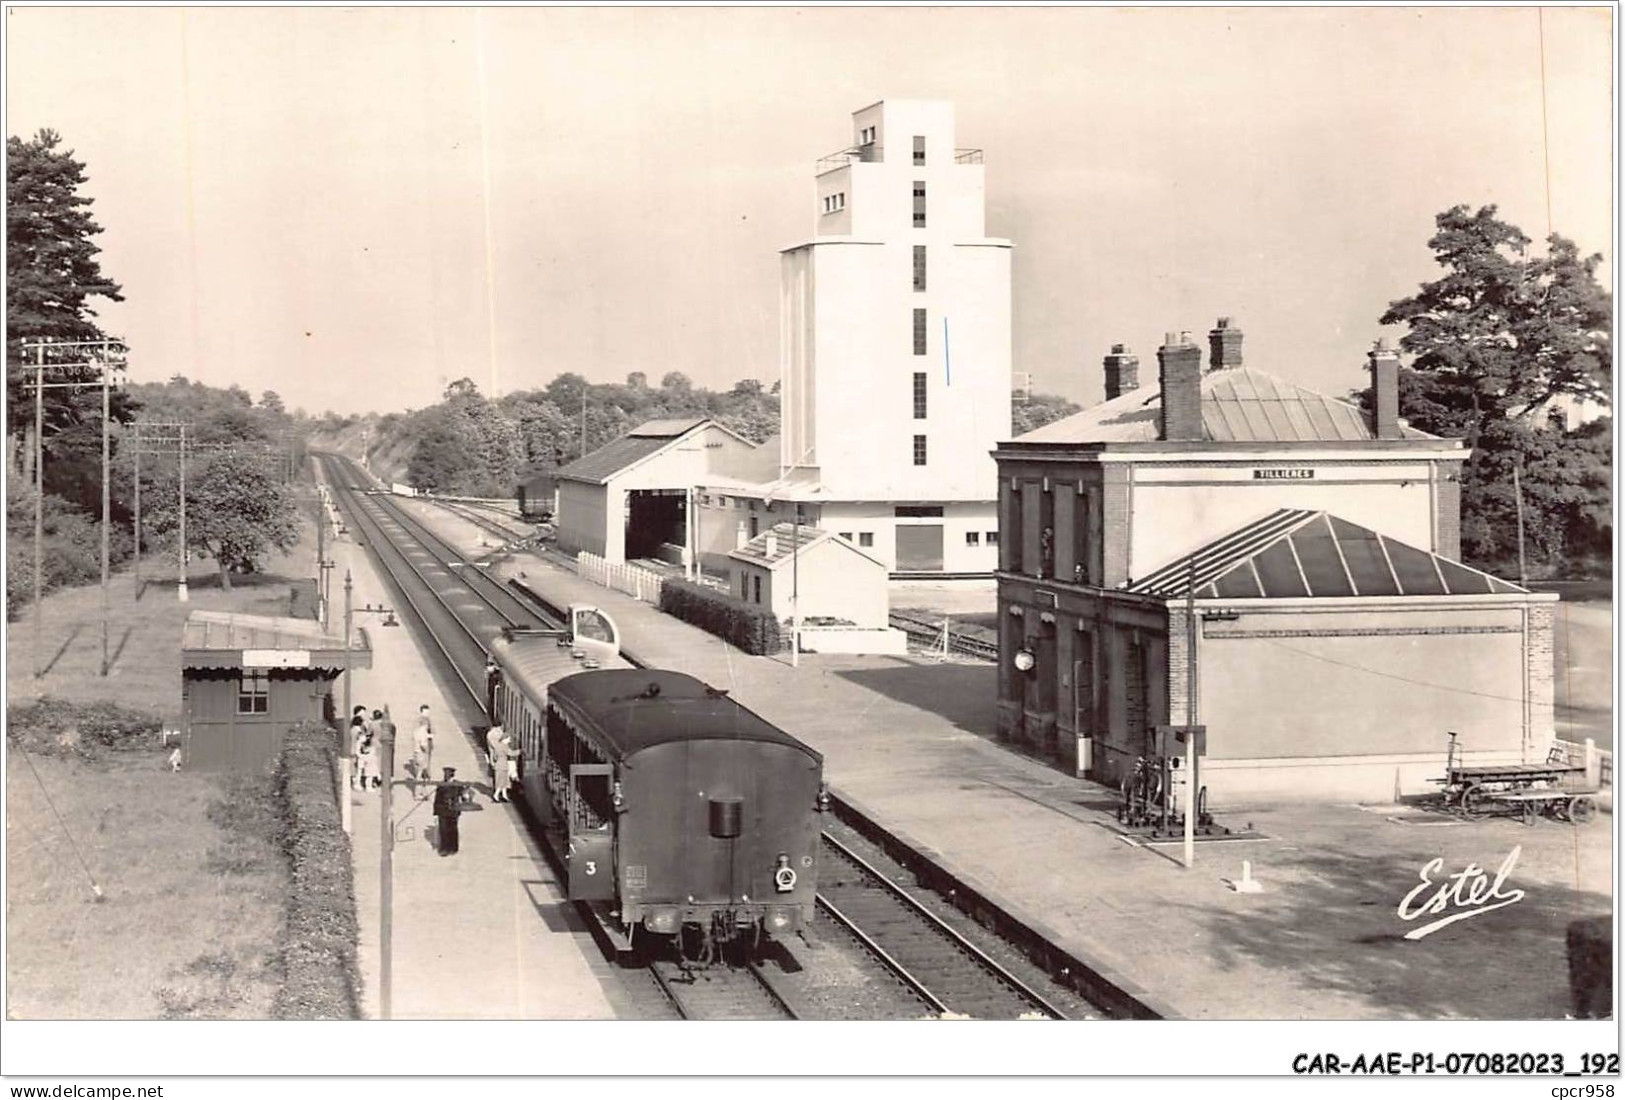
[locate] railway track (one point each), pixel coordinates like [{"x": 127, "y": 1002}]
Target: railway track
[
  {"x": 939, "y": 965},
  {"x": 508, "y": 532},
  {"x": 929, "y": 634},
  {"x": 720, "y": 992},
  {"x": 461, "y": 609}
]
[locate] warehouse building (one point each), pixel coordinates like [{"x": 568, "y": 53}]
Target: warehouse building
[
  {"x": 633, "y": 498},
  {"x": 895, "y": 356},
  {"x": 1335, "y": 641}
]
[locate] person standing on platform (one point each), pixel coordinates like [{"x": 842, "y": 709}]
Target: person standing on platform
[
  {"x": 358, "y": 735},
  {"x": 496, "y": 740},
  {"x": 418, "y": 766},
  {"x": 448, "y": 804},
  {"x": 379, "y": 720}
]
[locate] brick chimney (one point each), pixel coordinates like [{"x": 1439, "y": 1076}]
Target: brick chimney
[
  {"x": 1224, "y": 344},
  {"x": 1384, "y": 367},
  {"x": 1122, "y": 371},
  {"x": 1179, "y": 364}
]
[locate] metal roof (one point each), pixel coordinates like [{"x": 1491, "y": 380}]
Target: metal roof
[
  {"x": 1296, "y": 553},
  {"x": 1239, "y": 405},
  {"x": 219, "y": 639},
  {"x": 612, "y": 458},
  {"x": 636, "y": 445},
  {"x": 784, "y": 536},
  {"x": 635, "y": 709},
  {"x": 665, "y": 429}
]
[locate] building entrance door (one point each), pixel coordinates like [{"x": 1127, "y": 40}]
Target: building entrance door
[{"x": 919, "y": 548}]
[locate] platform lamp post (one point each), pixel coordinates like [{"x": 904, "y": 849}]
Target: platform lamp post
[
  {"x": 1190, "y": 719},
  {"x": 105, "y": 357},
  {"x": 386, "y": 866}
]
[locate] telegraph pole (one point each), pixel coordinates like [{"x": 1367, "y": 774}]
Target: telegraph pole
[
  {"x": 72, "y": 356},
  {"x": 39, "y": 508},
  {"x": 107, "y": 500},
  {"x": 181, "y": 594}
]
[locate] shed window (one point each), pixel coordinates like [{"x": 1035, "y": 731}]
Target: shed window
[{"x": 254, "y": 693}]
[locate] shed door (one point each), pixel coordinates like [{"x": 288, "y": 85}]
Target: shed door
[{"x": 919, "y": 547}]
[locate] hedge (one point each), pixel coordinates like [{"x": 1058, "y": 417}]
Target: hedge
[
  {"x": 321, "y": 977},
  {"x": 753, "y": 629}
]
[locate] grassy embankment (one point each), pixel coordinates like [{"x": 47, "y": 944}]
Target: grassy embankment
[{"x": 191, "y": 866}]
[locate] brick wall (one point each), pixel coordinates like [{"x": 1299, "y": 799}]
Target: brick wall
[
  {"x": 1115, "y": 521},
  {"x": 1447, "y": 533},
  {"x": 1542, "y": 672}
]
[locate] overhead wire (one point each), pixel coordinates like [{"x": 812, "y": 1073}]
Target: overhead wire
[{"x": 94, "y": 886}]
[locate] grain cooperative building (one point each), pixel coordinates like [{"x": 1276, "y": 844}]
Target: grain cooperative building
[{"x": 1337, "y": 637}]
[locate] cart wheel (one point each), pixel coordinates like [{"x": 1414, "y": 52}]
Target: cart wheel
[
  {"x": 1472, "y": 800},
  {"x": 1582, "y": 809}
]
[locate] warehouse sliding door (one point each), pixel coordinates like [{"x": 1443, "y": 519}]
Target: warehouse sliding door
[{"x": 919, "y": 548}]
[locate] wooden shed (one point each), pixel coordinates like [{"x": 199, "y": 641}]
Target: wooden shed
[{"x": 247, "y": 679}]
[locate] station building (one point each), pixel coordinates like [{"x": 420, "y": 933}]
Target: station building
[
  {"x": 634, "y": 497},
  {"x": 1289, "y": 555},
  {"x": 835, "y": 591},
  {"x": 894, "y": 355},
  {"x": 247, "y": 679}
]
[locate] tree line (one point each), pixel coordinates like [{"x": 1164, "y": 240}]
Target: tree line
[{"x": 239, "y": 505}]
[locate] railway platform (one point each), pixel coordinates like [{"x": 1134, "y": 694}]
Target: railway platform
[
  {"x": 485, "y": 933},
  {"x": 910, "y": 742}
]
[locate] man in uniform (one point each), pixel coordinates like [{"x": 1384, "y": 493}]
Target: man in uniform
[{"x": 448, "y": 804}]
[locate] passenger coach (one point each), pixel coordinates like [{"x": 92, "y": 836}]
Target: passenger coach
[{"x": 677, "y": 810}]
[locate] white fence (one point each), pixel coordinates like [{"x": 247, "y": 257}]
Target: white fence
[{"x": 638, "y": 583}]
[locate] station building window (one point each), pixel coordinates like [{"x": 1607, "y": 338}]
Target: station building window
[
  {"x": 254, "y": 693},
  {"x": 756, "y": 589},
  {"x": 919, "y": 149},
  {"x": 919, "y": 267},
  {"x": 919, "y": 395},
  {"x": 919, "y": 332},
  {"x": 919, "y": 450},
  {"x": 919, "y": 204},
  {"x": 993, "y": 538},
  {"x": 834, "y": 204},
  {"x": 972, "y": 538},
  {"x": 866, "y": 538},
  {"x": 847, "y": 535}
]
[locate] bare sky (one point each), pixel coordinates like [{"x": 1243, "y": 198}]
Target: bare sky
[{"x": 354, "y": 207}]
